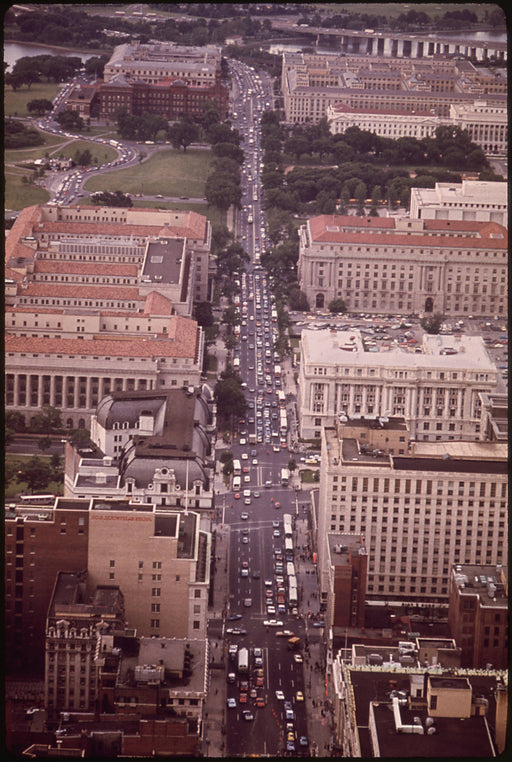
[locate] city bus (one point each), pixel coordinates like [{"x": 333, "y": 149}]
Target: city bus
[
  {"x": 243, "y": 660},
  {"x": 288, "y": 546},
  {"x": 292, "y": 592},
  {"x": 237, "y": 468},
  {"x": 287, "y": 524},
  {"x": 285, "y": 477},
  {"x": 290, "y": 570},
  {"x": 281, "y": 397}
]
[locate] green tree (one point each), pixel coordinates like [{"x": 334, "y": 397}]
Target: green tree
[
  {"x": 56, "y": 464},
  {"x": 337, "y": 306},
  {"x": 44, "y": 443},
  {"x": 48, "y": 419},
  {"x": 229, "y": 150},
  {"x": 230, "y": 398},
  {"x": 228, "y": 468},
  {"x": 183, "y": 133},
  {"x": 37, "y": 473},
  {"x": 432, "y": 323},
  {"x": 39, "y": 106},
  {"x": 70, "y": 120},
  {"x": 360, "y": 197},
  {"x": 298, "y": 300},
  {"x": 203, "y": 314},
  {"x": 14, "y": 420},
  {"x": 292, "y": 464},
  {"x": 222, "y": 192}
]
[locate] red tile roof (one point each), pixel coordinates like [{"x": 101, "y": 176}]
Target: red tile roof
[
  {"x": 181, "y": 342},
  {"x": 380, "y": 231},
  {"x": 64, "y": 266},
  {"x": 157, "y": 304},
  {"x": 80, "y": 291}
]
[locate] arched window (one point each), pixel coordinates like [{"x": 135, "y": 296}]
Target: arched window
[
  {"x": 320, "y": 301},
  {"x": 429, "y": 304}
]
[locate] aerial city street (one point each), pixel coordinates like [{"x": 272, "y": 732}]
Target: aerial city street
[{"x": 256, "y": 446}]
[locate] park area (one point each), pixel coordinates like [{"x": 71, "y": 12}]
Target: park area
[{"x": 168, "y": 171}]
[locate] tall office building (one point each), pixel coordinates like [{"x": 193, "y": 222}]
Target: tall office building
[
  {"x": 420, "y": 511},
  {"x": 159, "y": 558}
]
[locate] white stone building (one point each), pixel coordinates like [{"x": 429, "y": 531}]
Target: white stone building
[
  {"x": 385, "y": 265},
  {"x": 486, "y": 122},
  {"x": 435, "y": 386},
  {"x": 470, "y": 200},
  {"x": 392, "y": 124}
]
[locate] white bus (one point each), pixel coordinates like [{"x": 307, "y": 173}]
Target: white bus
[
  {"x": 243, "y": 660},
  {"x": 292, "y": 592},
  {"x": 285, "y": 476},
  {"x": 288, "y": 545},
  {"x": 237, "y": 468},
  {"x": 290, "y": 570},
  {"x": 237, "y": 483},
  {"x": 287, "y": 524}
]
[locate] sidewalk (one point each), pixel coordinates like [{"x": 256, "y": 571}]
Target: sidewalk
[
  {"x": 317, "y": 712},
  {"x": 214, "y": 715}
]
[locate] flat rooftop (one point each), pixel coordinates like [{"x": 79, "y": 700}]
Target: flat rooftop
[
  {"x": 169, "y": 652},
  {"x": 442, "y": 352},
  {"x": 490, "y": 583},
  {"x": 371, "y": 688},
  {"x": 341, "y": 545},
  {"x": 164, "y": 261}
]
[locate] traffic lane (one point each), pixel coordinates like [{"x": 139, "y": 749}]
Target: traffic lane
[{"x": 28, "y": 446}]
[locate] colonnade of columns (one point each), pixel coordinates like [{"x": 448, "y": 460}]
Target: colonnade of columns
[{"x": 66, "y": 392}]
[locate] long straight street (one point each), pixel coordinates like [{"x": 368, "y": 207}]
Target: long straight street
[{"x": 265, "y": 587}]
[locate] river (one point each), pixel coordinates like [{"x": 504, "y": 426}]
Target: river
[{"x": 15, "y": 50}]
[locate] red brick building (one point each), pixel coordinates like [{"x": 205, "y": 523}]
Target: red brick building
[
  {"x": 478, "y": 614},
  {"x": 40, "y": 541},
  {"x": 170, "y": 97}
]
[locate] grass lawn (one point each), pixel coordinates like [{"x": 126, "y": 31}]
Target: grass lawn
[
  {"x": 101, "y": 154},
  {"x": 15, "y": 103},
  {"x": 170, "y": 172},
  {"x": 307, "y": 476},
  {"x": 56, "y": 146},
  {"x": 18, "y": 194},
  {"x": 13, "y": 487}
]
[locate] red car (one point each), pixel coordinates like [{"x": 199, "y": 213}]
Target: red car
[{"x": 243, "y": 698}]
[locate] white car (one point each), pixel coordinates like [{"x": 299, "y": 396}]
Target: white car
[
  {"x": 279, "y": 696},
  {"x": 272, "y": 623},
  {"x": 231, "y": 703}
]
